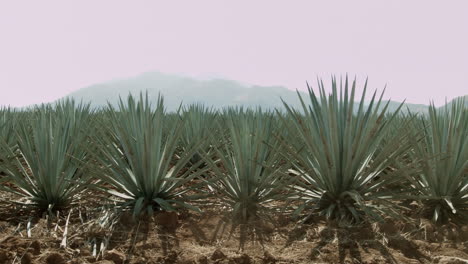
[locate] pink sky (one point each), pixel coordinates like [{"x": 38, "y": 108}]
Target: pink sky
[{"x": 419, "y": 48}]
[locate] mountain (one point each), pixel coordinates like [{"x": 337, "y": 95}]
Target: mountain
[
  {"x": 176, "y": 89},
  {"x": 465, "y": 98},
  {"x": 217, "y": 93}
]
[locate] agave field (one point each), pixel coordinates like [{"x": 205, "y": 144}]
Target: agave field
[{"x": 340, "y": 180}]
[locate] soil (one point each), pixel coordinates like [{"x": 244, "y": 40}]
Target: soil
[{"x": 195, "y": 238}]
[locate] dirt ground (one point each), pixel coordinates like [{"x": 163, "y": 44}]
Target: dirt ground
[{"x": 194, "y": 238}]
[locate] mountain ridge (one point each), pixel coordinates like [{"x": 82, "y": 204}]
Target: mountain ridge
[{"x": 216, "y": 93}]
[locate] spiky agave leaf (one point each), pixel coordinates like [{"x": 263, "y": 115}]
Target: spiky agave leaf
[
  {"x": 443, "y": 181},
  {"x": 340, "y": 157},
  {"x": 249, "y": 177},
  {"x": 45, "y": 165},
  {"x": 139, "y": 158}
]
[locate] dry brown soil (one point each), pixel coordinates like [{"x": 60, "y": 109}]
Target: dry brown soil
[{"x": 207, "y": 238}]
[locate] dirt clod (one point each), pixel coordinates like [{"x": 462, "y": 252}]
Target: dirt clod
[
  {"x": 26, "y": 259},
  {"x": 268, "y": 258},
  {"x": 36, "y": 247},
  {"x": 55, "y": 258},
  {"x": 203, "y": 260},
  {"x": 3, "y": 256},
  {"x": 218, "y": 255},
  {"x": 171, "y": 257},
  {"x": 242, "y": 259},
  {"x": 115, "y": 256}
]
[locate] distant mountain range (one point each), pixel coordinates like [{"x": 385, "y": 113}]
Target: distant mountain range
[{"x": 217, "y": 93}]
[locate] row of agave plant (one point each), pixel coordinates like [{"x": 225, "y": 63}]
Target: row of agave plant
[{"x": 339, "y": 156}]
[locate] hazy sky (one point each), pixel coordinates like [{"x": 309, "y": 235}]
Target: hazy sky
[{"x": 419, "y": 48}]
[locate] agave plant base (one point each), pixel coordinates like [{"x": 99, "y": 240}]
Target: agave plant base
[
  {"x": 343, "y": 209},
  {"x": 440, "y": 212}
]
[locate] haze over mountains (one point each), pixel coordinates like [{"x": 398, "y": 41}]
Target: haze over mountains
[{"x": 217, "y": 93}]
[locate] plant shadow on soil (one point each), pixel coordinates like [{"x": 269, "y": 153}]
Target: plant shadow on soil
[
  {"x": 349, "y": 240},
  {"x": 165, "y": 230},
  {"x": 254, "y": 232},
  {"x": 137, "y": 234}
]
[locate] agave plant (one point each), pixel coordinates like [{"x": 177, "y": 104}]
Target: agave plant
[
  {"x": 340, "y": 157},
  {"x": 8, "y": 120},
  {"x": 443, "y": 154},
  {"x": 45, "y": 165},
  {"x": 249, "y": 172},
  {"x": 141, "y": 170},
  {"x": 199, "y": 124}
]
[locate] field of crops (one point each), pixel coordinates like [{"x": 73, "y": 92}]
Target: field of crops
[{"x": 341, "y": 180}]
